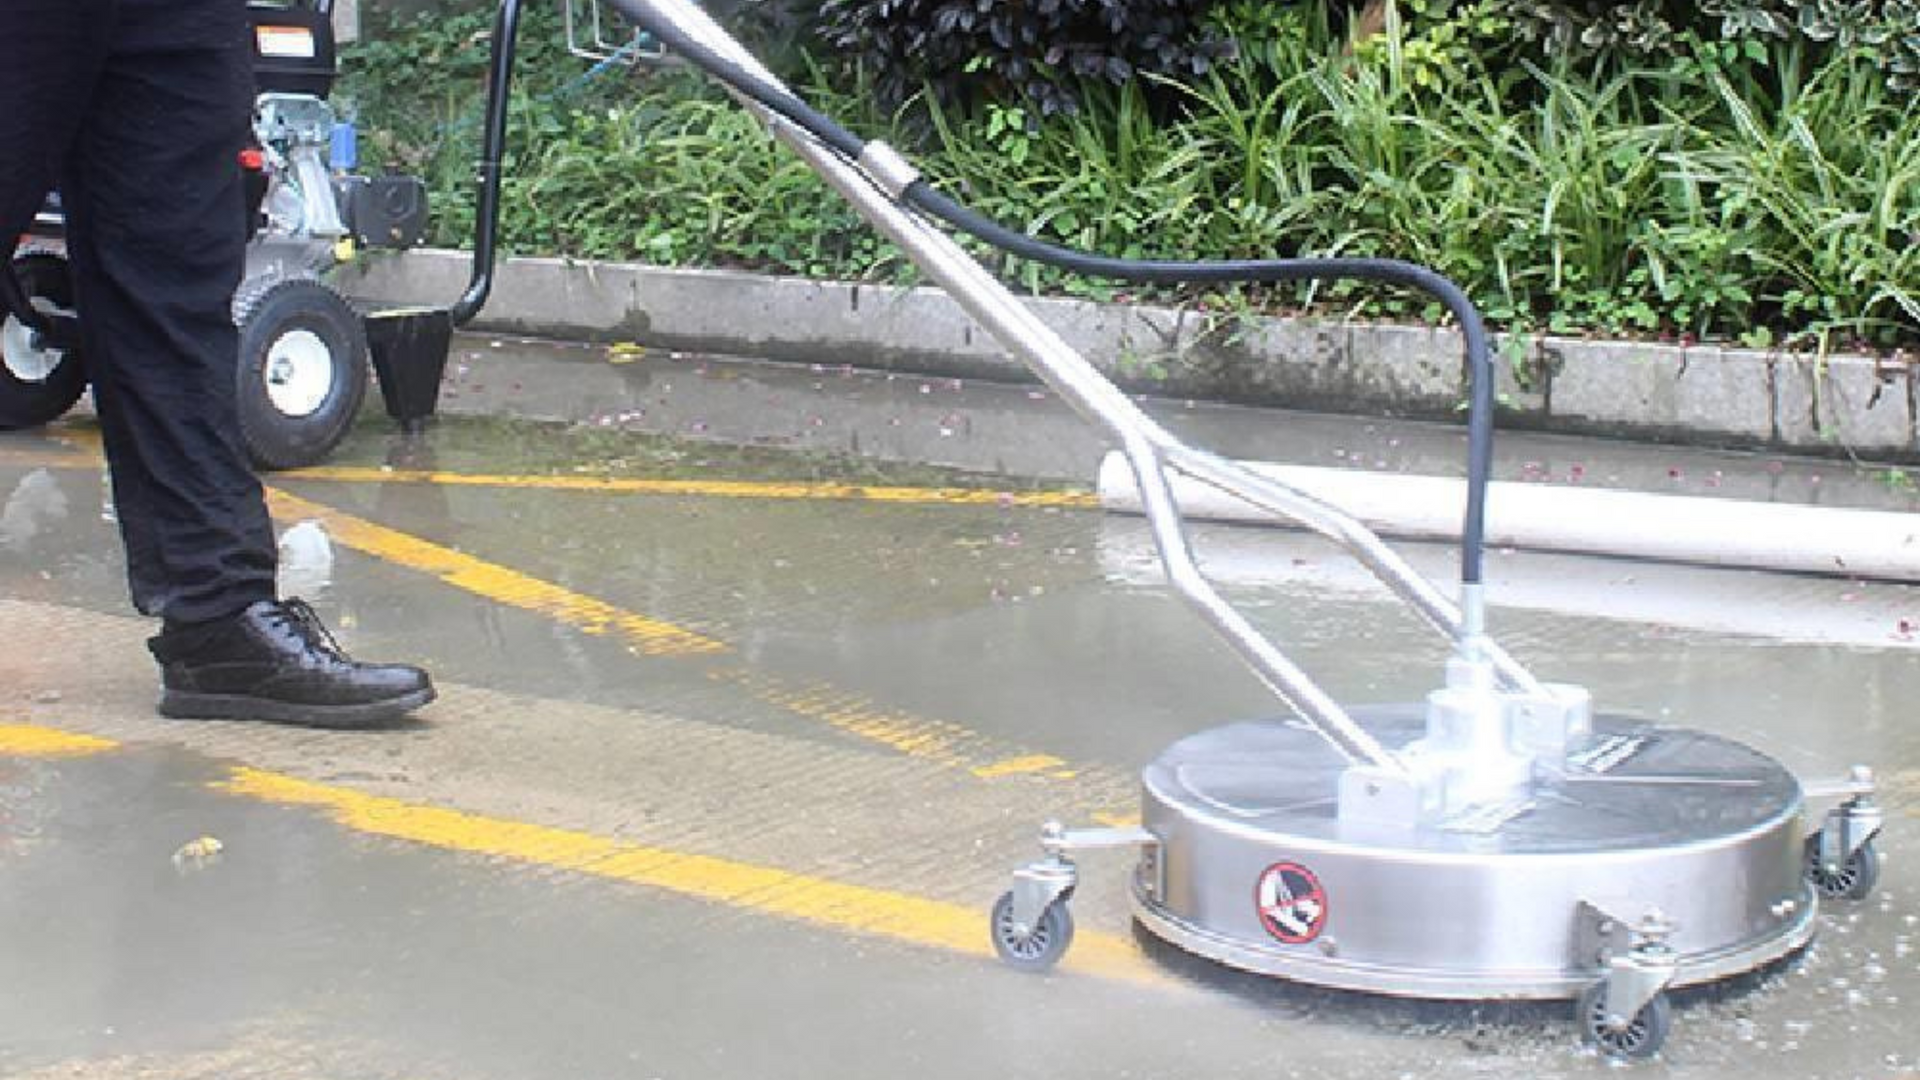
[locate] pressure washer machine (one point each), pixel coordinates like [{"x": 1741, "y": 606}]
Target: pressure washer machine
[{"x": 303, "y": 361}]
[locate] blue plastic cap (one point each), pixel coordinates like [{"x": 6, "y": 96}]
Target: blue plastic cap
[{"x": 344, "y": 155}]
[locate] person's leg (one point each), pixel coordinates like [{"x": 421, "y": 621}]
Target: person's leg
[
  {"x": 152, "y": 192},
  {"x": 153, "y": 195}
]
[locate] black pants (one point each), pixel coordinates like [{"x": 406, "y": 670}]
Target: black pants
[{"x": 137, "y": 110}]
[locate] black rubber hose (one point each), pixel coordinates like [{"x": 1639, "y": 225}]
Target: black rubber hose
[
  {"x": 921, "y": 196},
  {"x": 1473, "y": 329}
]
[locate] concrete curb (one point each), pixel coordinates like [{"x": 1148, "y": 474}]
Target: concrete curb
[{"x": 1703, "y": 395}]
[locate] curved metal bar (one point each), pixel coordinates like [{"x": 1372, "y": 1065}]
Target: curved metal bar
[
  {"x": 1281, "y": 675},
  {"x": 1357, "y": 540}
]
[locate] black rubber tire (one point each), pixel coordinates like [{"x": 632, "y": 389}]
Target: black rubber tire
[
  {"x": 333, "y": 372},
  {"x": 1037, "y": 951},
  {"x": 1853, "y": 881},
  {"x": 1643, "y": 1036},
  {"x": 27, "y": 402}
]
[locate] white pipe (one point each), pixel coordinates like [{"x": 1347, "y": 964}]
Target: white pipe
[{"x": 1592, "y": 521}]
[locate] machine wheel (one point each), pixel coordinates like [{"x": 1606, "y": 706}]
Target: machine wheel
[
  {"x": 38, "y": 385},
  {"x": 1038, "y": 950},
  {"x": 1855, "y": 878},
  {"x": 303, "y": 371},
  {"x": 1640, "y": 1039}
]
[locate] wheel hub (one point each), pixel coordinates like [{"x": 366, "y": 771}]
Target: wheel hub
[
  {"x": 26, "y": 360},
  {"x": 299, "y": 372}
]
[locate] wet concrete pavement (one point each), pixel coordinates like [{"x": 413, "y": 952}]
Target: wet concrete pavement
[{"x": 653, "y": 701}]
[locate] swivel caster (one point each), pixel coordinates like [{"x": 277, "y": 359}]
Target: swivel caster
[
  {"x": 1851, "y": 879},
  {"x": 1841, "y": 861},
  {"x": 1626, "y": 1013},
  {"x": 1030, "y": 925},
  {"x": 1630, "y": 1038},
  {"x": 1033, "y": 948}
]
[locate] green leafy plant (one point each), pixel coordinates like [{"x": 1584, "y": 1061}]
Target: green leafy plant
[
  {"x": 1762, "y": 189},
  {"x": 1012, "y": 52}
]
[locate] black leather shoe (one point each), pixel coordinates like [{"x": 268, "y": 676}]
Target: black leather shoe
[{"x": 275, "y": 661}]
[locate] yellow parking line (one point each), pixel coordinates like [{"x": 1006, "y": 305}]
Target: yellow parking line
[
  {"x": 939, "y": 741},
  {"x": 913, "y": 736},
  {"x": 645, "y": 635},
  {"x": 87, "y": 443},
  {"x": 23, "y": 740},
  {"x": 721, "y": 489},
  {"x": 1024, "y": 765},
  {"x": 745, "y": 886}
]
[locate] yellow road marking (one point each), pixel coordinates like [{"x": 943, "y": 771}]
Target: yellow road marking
[
  {"x": 821, "y": 902},
  {"x": 1020, "y": 766},
  {"x": 940, "y": 741},
  {"x": 719, "y": 489},
  {"x": 23, "y": 740},
  {"x": 934, "y": 740},
  {"x": 646, "y": 635},
  {"x": 86, "y": 454}
]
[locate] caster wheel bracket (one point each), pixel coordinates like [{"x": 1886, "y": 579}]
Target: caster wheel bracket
[
  {"x": 1633, "y": 981},
  {"x": 1635, "y": 960},
  {"x": 1847, "y": 828},
  {"x": 1038, "y": 886}
]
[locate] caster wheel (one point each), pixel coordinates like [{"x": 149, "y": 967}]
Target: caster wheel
[
  {"x": 303, "y": 371},
  {"x": 1039, "y": 949},
  {"x": 1852, "y": 880},
  {"x": 38, "y": 385},
  {"x": 1642, "y": 1036}
]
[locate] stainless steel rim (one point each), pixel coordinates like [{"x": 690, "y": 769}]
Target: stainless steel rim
[{"x": 1319, "y": 969}]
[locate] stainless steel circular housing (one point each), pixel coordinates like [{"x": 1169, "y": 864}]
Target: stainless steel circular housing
[{"x": 1254, "y": 868}]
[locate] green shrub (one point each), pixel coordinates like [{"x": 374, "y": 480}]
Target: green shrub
[
  {"x": 1016, "y": 52},
  {"x": 1766, "y": 191},
  {"x": 1888, "y": 30}
]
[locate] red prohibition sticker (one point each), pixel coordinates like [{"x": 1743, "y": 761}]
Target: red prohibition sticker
[{"x": 1291, "y": 902}]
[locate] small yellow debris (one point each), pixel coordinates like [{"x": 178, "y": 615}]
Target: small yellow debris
[
  {"x": 625, "y": 352},
  {"x": 195, "y": 854}
]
